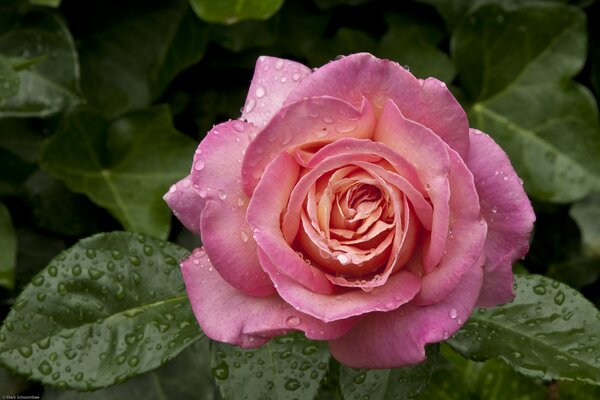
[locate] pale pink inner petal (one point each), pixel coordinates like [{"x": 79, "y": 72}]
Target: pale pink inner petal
[{"x": 312, "y": 121}]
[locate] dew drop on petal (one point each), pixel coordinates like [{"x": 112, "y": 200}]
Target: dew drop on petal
[
  {"x": 244, "y": 236},
  {"x": 292, "y": 321},
  {"x": 296, "y": 77},
  {"x": 260, "y": 91},
  {"x": 238, "y": 126},
  {"x": 343, "y": 259},
  {"x": 222, "y": 195},
  {"x": 453, "y": 313},
  {"x": 250, "y": 105},
  {"x": 199, "y": 165}
]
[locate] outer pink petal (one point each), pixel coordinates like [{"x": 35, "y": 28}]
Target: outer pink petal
[
  {"x": 466, "y": 236},
  {"x": 320, "y": 120},
  {"x": 506, "y": 209},
  {"x": 230, "y": 316},
  {"x": 398, "y": 290},
  {"x": 428, "y": 102},
  {"x": 398, "y": 338},
  {"x": 226, "y": 236},
  {"x": 186, "y": 204},
  {"x": 274, "y": 78},
  {"x": 497, "y": 285},
  {"x": 268, "y": 202}
]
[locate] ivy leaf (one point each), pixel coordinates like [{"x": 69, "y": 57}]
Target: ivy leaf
[
  {"x": 549, "y": 331},
  {"x": 187, "y": 376},
  {"x": 455, "y": 378},
  {"x": 586, "y": 214},
  {"x": 388, "y": 384},
  {"x": 524, "y": 97},
  {"x": 45, "y": 71},
  {"x": 47, "y": 3},
  {"x": 125, "y": 166},
  {"x": 111, "y": 307},
  {"x": 8, "y": 249},
  {"x": 413, "y": 43},
  {"x": 285, "y": 368},
  {"x": 126, "y": 63},
  {"x": 232, "y": 11}
]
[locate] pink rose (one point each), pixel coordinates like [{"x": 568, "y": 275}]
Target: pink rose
[{"x": 352, "y": 203}]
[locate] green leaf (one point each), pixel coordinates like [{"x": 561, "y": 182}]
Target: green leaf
[
  {"x": 40, "y": 50},
  {"x": 127, "y": 62},
  {"x": 8, "y": 249},
  {"x": 111, "y": 307},
  {"x": 57, "y": 209},
  {"x": 525, "y": 99},
  {"x": 388, "y": 384},
  {"x": 576, "y": 391},
  {"x": 9, "y": 80},
  {"x": 346, "y": 41},
  {"x": 586, "y": 214},
  {"x": 413, "y": 43},
  {"x": 285, "y": 368},
  {"x": 47, "y": 3},
  {"x": 457, "y": 379},
  {"x": 232, "y": 11},
  {"x": 577, "y": 272},
  {"x": 125, "y": 166},
  {"x": 549, "y": 331},
  {"x": 185, "y": 377}
]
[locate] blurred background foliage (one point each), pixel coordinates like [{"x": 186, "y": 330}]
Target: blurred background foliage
[{"x": 102, "y": 104}]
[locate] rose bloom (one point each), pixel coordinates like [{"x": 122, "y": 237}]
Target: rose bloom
[{"x": 352, "y": 203}]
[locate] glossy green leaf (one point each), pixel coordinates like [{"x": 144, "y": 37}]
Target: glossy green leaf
[
  {"x": 287, "y": 367},
  {"x": 388, "y": 384},
  {"x": 111, "y": 307},
  {"x": 57, "y": 209},
  {"x": 456, "y": 378},
  {"x": 40, "y": 50},
  {"x": 47, "y": 3},
  {"x": 413, "y": 43},
  {"x": 577, "y": 273},
  {"x": 232, "y": 11},
  {"x": 576, "y": 391},
  {"x": 346, "y": 41},
  {"x": 8, "y": 249},
  {"x": 9, "y": 80},
  {"x": 126, "y": 63},
  {"x": 125, "y": 166},
  {"x": 586, "y": 214},
  {"x": 549, "y": 331},
  {"x": 185, "y": 377},
  {"x": 524, "y": 98}
]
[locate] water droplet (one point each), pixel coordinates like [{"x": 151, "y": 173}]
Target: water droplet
[
  {"x": 360, "y": 378},
  {"x": 199, "y": 165},
  {"x": 327, "y": 119},
  {"x": 244, "y": 236},
  {"x": 38, "y": 280},
  {"x": 221, "y": 371},
  {"x": 260, "y": 91},
  {"x": 343, "y": 259},
  {"x": 250, "y": 105},
  {"x": 453, "y": 313},
  {"x": 95, "y": 274},
  {"x": 406, "y": 68},
  {"x": 62, "y": 289},
  {"x": 292, "y": 321},
  {"x": 25, "y": 351},
  {"x": 295, "y": 77},
  {"x": 238, "y": 126},
  {"x": 442, "y": 84},
  {"x": 134, "y": 260},
  {"x": 310, "y": 349},
  {"x": 559, "y": 299},
  {"x": 90, "y": 253},
  {"x": 76, "y": 270},
  {"x": 79, "y": 376},
  {"x": 133, "y": 361},
  {"x": 279, "y": 64},
  {"x": 292, "y": 384},
  {"x": 45, "y": 368},
  {"x": 539, "y": 289},
  {"x": 41, "y": 296},
  {"x": 52, "y": 271},
  {"x": 222, "y": 195}
]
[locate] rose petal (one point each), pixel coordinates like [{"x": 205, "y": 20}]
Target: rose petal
[
  {"x": 429, "y": 103},
  {"x": 396, "y": 339},
  {"x": 186, "y": 204},
  {"x": 399, "y": 289},
  {"x": 429, "y": 156},
  {"x": 226, "y": 235},
  {"x": 497, "y": 285},
  {"x": 273, "y": 80},
  {"x": 320, "y": 120},
  {"x": 269, "y": 200},
  {"x": 227, "y": 315},
  {"x": 506, "y": 209},
  {"x": 466, "y": 236}
]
